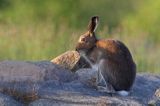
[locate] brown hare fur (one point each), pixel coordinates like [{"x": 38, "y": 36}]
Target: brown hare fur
[{"x": 111, "y": 57}]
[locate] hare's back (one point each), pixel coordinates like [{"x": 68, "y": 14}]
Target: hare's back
[
  {"x": 120, "y": 69},
  {"x": 114, "y": 48}
]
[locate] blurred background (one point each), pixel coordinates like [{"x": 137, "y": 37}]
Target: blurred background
[{"x": 43, "y": 29}]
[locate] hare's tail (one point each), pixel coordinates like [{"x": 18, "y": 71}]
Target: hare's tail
[{"x": 123, "y": 93}]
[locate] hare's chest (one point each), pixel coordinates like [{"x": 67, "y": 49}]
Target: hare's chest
[{"x": 96, "y": 55}]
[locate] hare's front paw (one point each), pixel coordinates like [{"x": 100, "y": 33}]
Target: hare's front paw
[
  {"x": 106, "y": 90},
  {"x": 105, "y": 87}
]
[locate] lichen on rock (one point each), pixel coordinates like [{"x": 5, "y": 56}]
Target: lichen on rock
[{"x": 67, "y": 59}]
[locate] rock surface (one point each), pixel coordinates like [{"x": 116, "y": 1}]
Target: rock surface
[
  {"x": 67, "y": 59},
  {"x": 54, "y": 86},
  {"x": 8, "y": 101},
  {"x": 20, "y": 71}
]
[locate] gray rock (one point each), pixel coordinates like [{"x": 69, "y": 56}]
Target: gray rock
[
  {"x": 20, "y": 71},
  {"x": 157, "y": 93},
  {"x": 86, "y": 101},
  {"x": 14, "y": 71},
  {"x": 55, "y": 72},
  {"x": 87, "y": 77},
  {"x": 155, "y": 101},
  {"x": 67, "y": 60},
  {"x": 22, "y": 80},
  {"x": 8, "y": 101},
  {"x": 58, "y": 86},
  {"x": 77, "y": 93},
  {"x": 46, "y": 102},
  {"x": 145, "y": 87},
  {"x": 23, "y": 92}
]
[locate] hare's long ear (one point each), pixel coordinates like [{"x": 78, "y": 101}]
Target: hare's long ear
[{"x": 93, "y": 24}]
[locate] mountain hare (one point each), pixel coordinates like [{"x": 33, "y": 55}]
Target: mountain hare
[{"x": 111, "y": 58}]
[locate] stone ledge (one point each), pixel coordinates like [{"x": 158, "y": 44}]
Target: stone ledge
[{"x": 59, "y": 86}]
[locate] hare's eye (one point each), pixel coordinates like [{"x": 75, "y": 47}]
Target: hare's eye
[{"x": 83, "y": 39}]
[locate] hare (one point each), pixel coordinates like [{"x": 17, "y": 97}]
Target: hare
[{"x": 110, "y": 57}]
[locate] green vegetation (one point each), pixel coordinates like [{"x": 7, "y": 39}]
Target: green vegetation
[{"x": 43, "y": 29}]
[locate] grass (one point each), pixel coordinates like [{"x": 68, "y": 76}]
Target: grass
[
  {"x": 36, "y": 42},
  {"x": 31, "y": 30},
  {"x": 33, "y": 42}
]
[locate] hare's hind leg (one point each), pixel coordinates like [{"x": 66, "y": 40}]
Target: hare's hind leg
[{"x": 102, "y": 83}]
